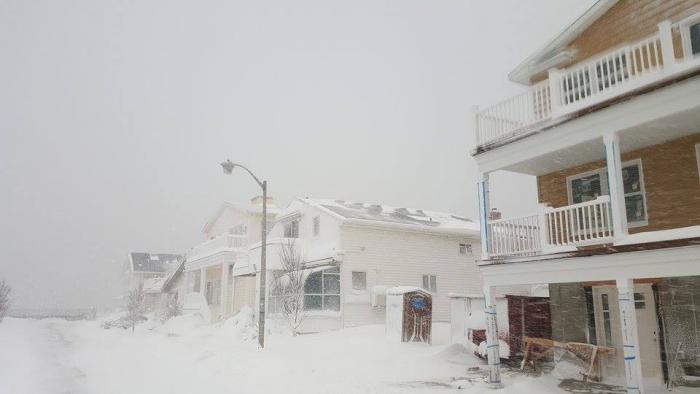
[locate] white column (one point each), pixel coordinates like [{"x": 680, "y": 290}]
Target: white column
[
  {"x": 203, "y": 282},
  {"x": 484, "y": 208},
  {"x": 224, "y": 289},
  {"x": 476, "y": 134},
  {"x": 617, "y": 191},
  {"x": 492, "y": 350},
  {"x": 666, "y": 39},
  {"x": 630, "y": 336},
  {"x": 554, "y": 79}
]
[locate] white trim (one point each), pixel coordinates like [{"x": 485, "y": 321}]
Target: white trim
[
  {"x": 684, "y": 27},
  {"x": 697, "y": 157},
  {"x": 430, "y": 288},
  {"x": 605, "y": 188},
  {"x": 656, "y": 263}
]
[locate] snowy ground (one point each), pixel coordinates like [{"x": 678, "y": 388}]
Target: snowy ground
[{"x": 183, "y": 356}]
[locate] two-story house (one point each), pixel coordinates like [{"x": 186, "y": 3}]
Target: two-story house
[
  {"x": 609, "y": 123},
  {"x": 209, "y": 267},
  {"x": 353, "y": 252}
]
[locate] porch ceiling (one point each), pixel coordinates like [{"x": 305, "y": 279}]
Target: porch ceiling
[{"x": 652, "y": 133}]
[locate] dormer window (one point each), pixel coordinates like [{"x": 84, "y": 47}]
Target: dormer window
[{"x": 291, "y": 229}]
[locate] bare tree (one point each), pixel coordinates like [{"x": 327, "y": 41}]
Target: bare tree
[
  {"x": 134, "y": 306},
  {"x": 4, "y": 299},
  {"x": 173, "y": 308},
  {"x": 288, "y": 286}
]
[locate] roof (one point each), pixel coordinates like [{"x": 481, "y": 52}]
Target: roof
[
  {"x": 253, "y": 209},
  {"x": 147, "y": 262},
  {"x": 537, "y": 62},
  {"x": 384, "y": 215}
]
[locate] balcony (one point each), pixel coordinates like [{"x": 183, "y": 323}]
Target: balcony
[
  {"x": 220, "y": 243},
  {"x": 584, "y": 85},
  {"x": 552, "y": 230}
]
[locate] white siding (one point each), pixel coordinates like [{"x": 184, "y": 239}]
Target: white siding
[{"x": 393, "y": 258}]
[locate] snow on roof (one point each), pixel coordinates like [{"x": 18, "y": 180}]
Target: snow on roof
[
  {"x": 383, "y": 214},
  {"x": 398, "y": 290},
  {"x": 147, "y": 262}
]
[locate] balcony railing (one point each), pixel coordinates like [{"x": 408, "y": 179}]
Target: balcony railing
[
  {"x": 219, "y": 243},
  {"x": 552, "y": 229},
  {"x": 583, "y": 85}
]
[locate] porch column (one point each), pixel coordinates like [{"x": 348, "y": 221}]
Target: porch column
[
  {"x": 492, "y": 350},
  {"x": 224, "y": 288},
  {"x": 666, "y": 39},
  {"x": 554, "y": 80},
  {"x": 484, "y": 208},
  {"x": 203, "y": 282},
  {"x": 630, "y": 336},
  {"x": 617, "y": 191}
]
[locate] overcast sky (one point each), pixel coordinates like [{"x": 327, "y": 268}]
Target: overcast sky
[{"x": 114, "y": 116}]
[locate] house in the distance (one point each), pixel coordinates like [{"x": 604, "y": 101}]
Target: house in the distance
[
  {"x": 148, "y": 271},
  {"x": 353, "y": 252},
  {"x": 609, "y": 123},
  {"x": 209, "y": 267}
]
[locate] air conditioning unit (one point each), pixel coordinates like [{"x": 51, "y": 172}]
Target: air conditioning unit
[{"x": 378, "y": 296}]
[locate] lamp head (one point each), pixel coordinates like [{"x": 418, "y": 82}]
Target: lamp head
[{"x": 228, "y": 166}]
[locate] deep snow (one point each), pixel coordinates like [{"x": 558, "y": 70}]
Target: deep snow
[{"x": 185, "y": 356}]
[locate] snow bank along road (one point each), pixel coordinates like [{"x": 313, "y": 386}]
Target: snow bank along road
[{"x": 183, "y": 356}]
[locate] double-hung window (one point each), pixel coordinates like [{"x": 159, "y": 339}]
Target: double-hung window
[
  {"x": 430, "y": 283},
  {"x": 593, "y": 184},
  {"x": 359, "y": 280},
  {"x": 316, "y": 226},
  {"x": 291, "y": 229}
]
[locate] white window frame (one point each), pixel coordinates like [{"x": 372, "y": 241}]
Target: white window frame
[
  {"x": 605, "y": 189},
  {"x": 352, "y": 280},
  {"x": 291, "y": 223},
  {"x": 684, "y": 27},
  {"x": 430, "y": 288},
  {"x": 316, "y": 226},
  {"x": 697, "y": 158},
  {"x": 467, "y": 248},
  {"x": 323, "y": 293}
]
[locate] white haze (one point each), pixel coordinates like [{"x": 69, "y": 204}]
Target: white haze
[{"x": 114, "y": 116}]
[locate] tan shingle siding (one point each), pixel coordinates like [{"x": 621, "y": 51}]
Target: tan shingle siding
[{"x": 671, "y": 182}]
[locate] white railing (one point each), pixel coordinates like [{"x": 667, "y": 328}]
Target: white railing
[
  {"x": 596, "y": 79},
  {"x": 504, "y": 118},
  {"x": 581, "y": 224},
  {"x": 219, "y": 243},
  {"x": 582, "y": 85},
  {"x": 552, "y": 229},
  {"x": 514, "y": 236}
]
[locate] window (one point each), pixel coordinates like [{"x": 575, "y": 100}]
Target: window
[
  {"x": 593, "y": 184},
  {"x": 213, "y": 292},
  {"x": 240, "y": 229},
  {"x": 317, "y": 226},
  {"x": 291, "y": 229},
  {"x": 322, "y": 290},
  {"x": 607, "y": 325},
  {"x": 465, "y": 248},
  {"x": 694, "y": 33},
  {"x": 697, "y": 156},
  {"x": 359, "y": 280},
  {"x": 690, "y": 36},
  {"x": 639, "y": 301},
  {"x": 430, "y": 283}
]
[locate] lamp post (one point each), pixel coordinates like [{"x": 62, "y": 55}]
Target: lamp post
[{"x": 228, "y": 167}]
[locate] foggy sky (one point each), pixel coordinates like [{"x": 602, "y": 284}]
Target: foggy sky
[{"x": 114, "y": 116}]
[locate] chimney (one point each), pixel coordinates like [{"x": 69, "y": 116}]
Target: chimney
[
  {"x": 257, "y": 200},
  {"x": 494, "y": 214}
]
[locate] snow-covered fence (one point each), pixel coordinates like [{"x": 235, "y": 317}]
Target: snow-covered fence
[
  {"x": 54, "y": 313},
  {"x": 579, "y": 224}
]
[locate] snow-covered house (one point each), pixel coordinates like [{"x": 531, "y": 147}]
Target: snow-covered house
[
  {"x": 148, "y": 270},
  {"x": 609, "y": 123},
  {"x": 209, "y": 266},
  {"x": 353, "y": 252}
]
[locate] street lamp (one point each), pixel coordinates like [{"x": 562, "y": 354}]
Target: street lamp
[{"x": 228, "y": 167}]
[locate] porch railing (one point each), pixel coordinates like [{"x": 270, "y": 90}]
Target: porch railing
[
  {"x": 583, "y": 85},
  {"x": 514, "y": 236},
  {"x": 552, "y": 229},
  {"x": 581, "y": 224},
  {"x": 218, "y": 243}
]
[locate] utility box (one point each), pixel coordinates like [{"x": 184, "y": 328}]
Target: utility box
[{"x": 409, "y": 314}]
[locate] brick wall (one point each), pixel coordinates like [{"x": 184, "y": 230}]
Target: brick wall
[
  {"x": 671, "y": 182},
  {"x": 629, "y": 21}
]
